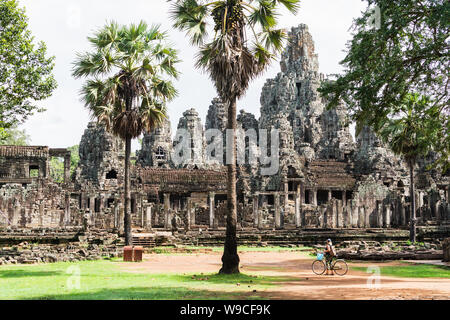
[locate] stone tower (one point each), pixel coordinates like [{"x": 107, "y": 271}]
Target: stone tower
[
  {"x": 156, "y": 147},
  {"x": 318, "y": 133},
  {"x": 101, "y": 156},
  {"x": 190, "y": 122}
]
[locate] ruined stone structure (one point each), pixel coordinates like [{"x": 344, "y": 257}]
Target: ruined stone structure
[{"x": 325, "y": 180}]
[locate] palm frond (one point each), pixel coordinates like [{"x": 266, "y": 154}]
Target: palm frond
[
  {"x": 292, "y": 5},
  {"x": 190, "y": 16},
  {"x": 273, "y": 39},
  {"x": 264, "y": 15}
]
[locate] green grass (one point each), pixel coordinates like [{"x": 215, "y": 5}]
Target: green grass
[
  {"x": 413, "y": 271},
  {"x": 107, "y": 280}
]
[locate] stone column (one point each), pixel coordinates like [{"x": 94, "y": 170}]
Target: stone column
[
  {"x": 187, "y": 226},
  {"x": 121, "y": 217},
  {"x": 277, "y": 210},
  {"x": 367, "y": 217},
  {"x": 348, "y": 216},
  {"x": 193, "y": 222},
  {"x": 91, "y": 205},
  {"x": 67, "y": 209},
  {"x": 148, "y": 216},
  {"x": 16, "y": 214},
  {"x": 330, "y": 195},
  {"x": 314, "y": 199},
  {"x": 286, "y": 195},
  {"x": 298, "y": 221},
  {"x": 67, "y": 168},
  {"x": 387, "y": 216},
  {"x": 116, "y": 215},
  {"x": 339, "y": 214},
  {"x": 211, "y": 209},
  {"x": 101, "y": 203},
  {"x": 361, "y": 217},
  {"x": 344, "y": 198},
  {"x": 41, "y": 213},
  {"x": 403, "y": 215},
  {"x": 331, "y": 215},
  {"x": 355, "y": 215},
  {"x": 255, "y": 210},
  {"x": 302, "y": 193},
  {"x": 167, "y": 215},
  {"x": 260, "y": 219},
  {"x": 379, "y": 210}
]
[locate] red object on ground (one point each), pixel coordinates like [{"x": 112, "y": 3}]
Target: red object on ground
[
  {"x": 137, "y": 253},
  {"x": 128, "y": 254}
]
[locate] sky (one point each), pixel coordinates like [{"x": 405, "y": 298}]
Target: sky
[{"x": 65, "y": 25}]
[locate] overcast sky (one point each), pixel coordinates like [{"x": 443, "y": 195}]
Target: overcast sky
[{"x": 64, "y": 26}]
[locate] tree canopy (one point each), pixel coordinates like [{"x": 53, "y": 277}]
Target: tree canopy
[
  {"x": 25, "y": 70},
  {"x": 14, "y": 136},
  {"x": 407, "y": 51}
]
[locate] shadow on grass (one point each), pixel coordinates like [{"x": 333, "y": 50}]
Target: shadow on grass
[
  {"x": 237, "y": 278},
  {"x": 153, "y": 293},
  {"x": 20, "y": 273}
]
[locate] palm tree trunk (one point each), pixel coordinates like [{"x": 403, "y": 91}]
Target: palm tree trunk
[
  {"x": 412, "y": 232},
  {"x": 127, "y": 215},
  {"x": 230, "y": 258}
]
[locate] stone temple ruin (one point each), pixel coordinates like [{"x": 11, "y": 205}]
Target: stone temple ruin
[{"x": 326, "y": 183}]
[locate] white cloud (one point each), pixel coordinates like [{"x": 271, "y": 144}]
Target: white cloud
[{"x": 64, "y": 26}]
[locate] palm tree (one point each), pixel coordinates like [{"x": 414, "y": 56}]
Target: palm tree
[
  {"x": 129, "y": 73},
  {"x": 246, "y": 40},
  {"x": 408, "y": 135}
]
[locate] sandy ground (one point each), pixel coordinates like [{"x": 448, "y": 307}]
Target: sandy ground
[{"x": 304, "y": 283}]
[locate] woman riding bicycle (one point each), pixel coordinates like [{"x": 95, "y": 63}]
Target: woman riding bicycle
[{"x": 330, "y": 253}]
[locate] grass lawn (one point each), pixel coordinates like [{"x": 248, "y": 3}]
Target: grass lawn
[
  {"x": 107, "y": 281},
  {"x": 409, "y": 270}
]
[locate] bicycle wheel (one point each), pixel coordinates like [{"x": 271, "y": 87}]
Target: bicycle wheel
[
  {"x": 318, "y": 267},
  {"x": 340, "y": 267}
]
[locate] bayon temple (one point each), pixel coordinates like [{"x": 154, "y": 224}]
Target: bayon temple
[{"x": 325, "y": 181}]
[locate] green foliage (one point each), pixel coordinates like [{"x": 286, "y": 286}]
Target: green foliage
[
  {"x": 25, "y": 71},
  {"x": 413, "y": 271},
  {"x": 412, "y": 128},
  {"x": 14, "y": 136},
  {"x": 57, "y": 169},
  {"x": 57, "y": 164},
  {"x": 74, "y": 158},
  {"x": 408, "y": 52}
]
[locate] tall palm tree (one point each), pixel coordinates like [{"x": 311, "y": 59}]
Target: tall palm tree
[
  {"x": 245, "y": 41},
  {"x": 129, "y": 73},
  {"x": 408, "y": 135}
]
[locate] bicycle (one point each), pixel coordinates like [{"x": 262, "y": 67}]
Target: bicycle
[{"x": 339, "y": 266}]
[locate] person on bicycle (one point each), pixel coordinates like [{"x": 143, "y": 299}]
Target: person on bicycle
[{"x": 330, "y": 253}]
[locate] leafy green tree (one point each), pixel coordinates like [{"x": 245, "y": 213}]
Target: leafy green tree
[
  {"x": 14, "y": 137},
  {"x": 57, "y": 169},
  {"x": 409, "y": 134},
  {"x": 25, "y": 71},
  {"x": 405, "y": 50},
  {"x": 246, "y": 40},
  {"x": 126, "y": 89},
  {"x": 74, "y": 157}
]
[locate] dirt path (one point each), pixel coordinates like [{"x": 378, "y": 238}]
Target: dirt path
[{"x": 304, "y": 284}]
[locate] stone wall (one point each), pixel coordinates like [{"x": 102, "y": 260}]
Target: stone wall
[{"x": 446, "y": 249}]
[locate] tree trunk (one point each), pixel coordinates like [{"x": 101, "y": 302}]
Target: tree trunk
[
  {"x": 127, "y": 214},
  {"x": 230, "y": 258},
  {"x": 412, "y": 232}
]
